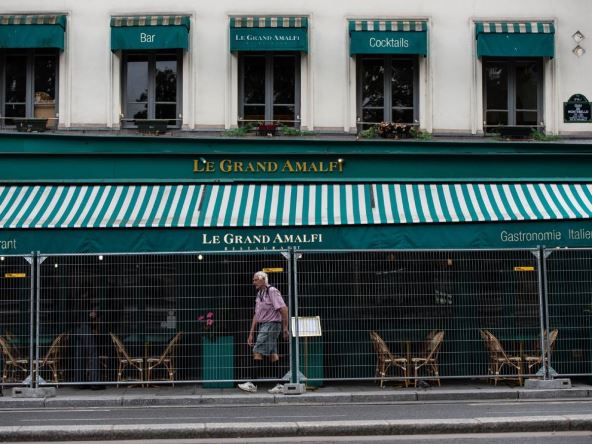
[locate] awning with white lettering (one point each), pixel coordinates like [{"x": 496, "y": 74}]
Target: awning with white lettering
[
  {"x": 32, "y": 31},
  {"x": 262, "y": 205},
  {"x": 515, "y": 39},
  {"x": 150, "y": 32},
  {"x": 268, "y": 34},
  {"x": 388, "y": 37}
]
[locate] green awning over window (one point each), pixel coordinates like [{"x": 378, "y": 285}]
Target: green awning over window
[
  {"x": 269, "y": 34},
  {"x": 150, "y": 32},
  {"x": 32, "y": 31},
  {"x": 507, "y": 39},
  {"x": 388, "y": 37},
  {"x": 283, "y": 205}
]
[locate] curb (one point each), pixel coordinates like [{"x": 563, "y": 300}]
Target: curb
[{"x": 287, "y": 429}]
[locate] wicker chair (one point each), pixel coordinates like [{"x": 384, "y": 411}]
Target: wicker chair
[
  {"x": 537, "y": 359},
  {"x": 124, "y": 360},
  {"x": 386, "y": 360},
  {"x": 499, "y": 360},
  {"x": 52, "y": 357},
  {"x": 430, "y": 359},
  {"x": 13, "y": 363},
  {"x": 165, "y": 359}
]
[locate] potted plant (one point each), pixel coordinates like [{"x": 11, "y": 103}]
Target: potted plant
[
  {"x": 392, "y": 130},
  {"x": 217, "y": 353},
  {"x": 152, "y": 126},
  {"x": 30, "y": 124},
  {"x": 267, "y": 129}
]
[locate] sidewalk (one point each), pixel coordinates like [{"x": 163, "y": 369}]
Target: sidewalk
[
  {"x": 332, "y": 393},
  {"x": 186, "y": 395}
]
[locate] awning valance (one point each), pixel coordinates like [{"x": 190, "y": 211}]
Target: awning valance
[
  {"x": 261, "y": 205},
  {"x": 150, "y": 32},
  {"x": 32, "y": 31},
  {"x": 515, "y": 39},
  {"x": 269, "y": 34},
  {"x": 388, "y": 37}
]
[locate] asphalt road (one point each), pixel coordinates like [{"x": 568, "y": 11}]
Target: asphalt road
[
  {"x": 488, "y": 438},
  {"x": 288, "y": 412}
]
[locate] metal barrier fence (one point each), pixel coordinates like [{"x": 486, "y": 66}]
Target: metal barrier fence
[
  {"x": 421, "y": 314},
  {"x": 569, "y": 295},
  {"x": 407, "y": 316},
  {"x": 152, "y": 318},
  {"x": 16, "y": 318}
]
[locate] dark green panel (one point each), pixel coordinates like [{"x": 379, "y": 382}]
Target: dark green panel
[
  {"x": 268, "y": 39},
  {"x": 515, "y": 45},
  {"x": 149, "y": 37},
  {"x": 383, "y": 42},
  {"x": 420, "y": 236},
  {"x": 32, "y": 36}
]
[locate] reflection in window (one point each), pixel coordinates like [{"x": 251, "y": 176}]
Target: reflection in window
[
  {"x": 152, "y": 87},
  {"x": 512, "y": 93},
  {"x": 269, "y": 88},
  {"x": 387, "y": 89}
]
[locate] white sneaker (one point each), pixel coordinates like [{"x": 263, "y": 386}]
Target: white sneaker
[
  {"x": 248, "y": 387},
  {"x": 278, "y": 389}
]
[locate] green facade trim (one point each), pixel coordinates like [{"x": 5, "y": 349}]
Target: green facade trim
[
  {"x": 508, "y": 39},
  {"x": 32, "y": 31},
  {"x": 388, "y": 37},
  {"x": 149, "y": 32}
]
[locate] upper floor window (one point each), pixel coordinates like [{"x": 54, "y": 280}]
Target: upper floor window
[
  {"x": 29, "y": 85},
  {"x": 387, "y": 89},
  {"x": 269, "y": 87},
  {"x": 152, "y": 86}
]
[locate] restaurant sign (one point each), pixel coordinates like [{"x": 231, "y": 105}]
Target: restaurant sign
[
  {"x": 227, "y": 166},
  {"x": 576, "y": 109},
  {"x": 268, "y": 39}
]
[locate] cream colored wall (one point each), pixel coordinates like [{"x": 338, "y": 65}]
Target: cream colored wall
[{"x": 449, "y": 78}]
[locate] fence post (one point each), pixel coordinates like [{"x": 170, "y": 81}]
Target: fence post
[
  {"x": 294, "y": 346},
  {"x": 541, "y": 275},
  {"x": 32, "y": 274},
  {"x": 550, "y": 373}
]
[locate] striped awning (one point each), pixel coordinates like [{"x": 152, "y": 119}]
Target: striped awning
[
  {"x": 32, "y": 31},
  {"x": 150, "y": 20},
  {"x": 260, "y": 205},
  {"x": 515, "y": 39},
  {"x": 268, "y": 22},
  {"x": 387, "y": 25}
]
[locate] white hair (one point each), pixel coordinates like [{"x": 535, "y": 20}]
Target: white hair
[{"x": 263, "y": 275}]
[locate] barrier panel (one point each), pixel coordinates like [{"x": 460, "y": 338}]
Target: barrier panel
[
  {"x": 569, "y": 296},
  {"x": 153, "y": 318},
  {"x": 16, "y": 311},
  {"x": 419, "y": 315}
]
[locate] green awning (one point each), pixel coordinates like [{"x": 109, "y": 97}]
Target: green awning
[
  {"x": 388, "y": 37},
  {"x": 524, "y": 39},
  {"x": 283, "y": 205},
  {"x": 269, "y": 34},
  {"x": 150, "y": 32},
  {"x": 32, "y": 31}
]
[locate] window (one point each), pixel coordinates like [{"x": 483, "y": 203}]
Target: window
[
  {"x": 387, "y": 89},
  {"x": 152, "y": 87},
  {"x": 29, "y": 80},
  {"x": 269, "y": 87},
  {"x": 513, "y": 92}
]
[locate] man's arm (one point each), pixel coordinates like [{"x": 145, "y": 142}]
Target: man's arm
[
  {"x": 251, "y": 337},
  {"x": 285, "y": 328}
]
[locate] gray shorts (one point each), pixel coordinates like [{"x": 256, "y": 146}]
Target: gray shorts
[{"x": 267, "y": 338}]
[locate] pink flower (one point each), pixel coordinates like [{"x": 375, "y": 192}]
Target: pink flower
[
  {"x": 209, "y": 322},
  {"x": 201, "y": 318},
  {"x": 210, "y": 315}
]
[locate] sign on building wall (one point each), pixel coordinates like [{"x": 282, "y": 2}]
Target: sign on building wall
[{"x": 576, "y": 109}]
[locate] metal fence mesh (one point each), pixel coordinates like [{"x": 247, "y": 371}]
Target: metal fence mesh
[
  {"x": 151, "y": 317},
  {"x": 569, "y": 294},
  {"x": 407, "y": 297},
  {"x": 15, "y": 318}
]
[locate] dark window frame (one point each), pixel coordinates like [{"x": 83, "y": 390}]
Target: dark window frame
[
  {"x": 269, "y": 64},
  {"x": 511, "y": 64},
  {"x": 29, "y": 54},
  {"x": 387, "y": 107},
  {"x": 129, "y": 122}
]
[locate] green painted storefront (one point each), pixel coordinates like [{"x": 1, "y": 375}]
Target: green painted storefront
[{"x": 62, "y": 160}]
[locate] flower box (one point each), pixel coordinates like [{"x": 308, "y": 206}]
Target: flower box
[
  {"x": 267, "y": 129},
  {"x": 516, "y": 132},
  {"x": 28, "y": 125},
  {"x": 152, "y": 126}
]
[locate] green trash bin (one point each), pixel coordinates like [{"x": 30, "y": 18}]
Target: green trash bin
[
  {"x": 311, "y": 361},
  {"x": 218, "y": 361}
]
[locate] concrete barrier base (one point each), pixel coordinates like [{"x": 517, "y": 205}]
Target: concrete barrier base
[
  {"x": 538, "y": 384},
  {"x": 28, "y": 392}
]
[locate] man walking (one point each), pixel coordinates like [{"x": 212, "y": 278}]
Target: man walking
[{"x": 270, "y": 318}]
